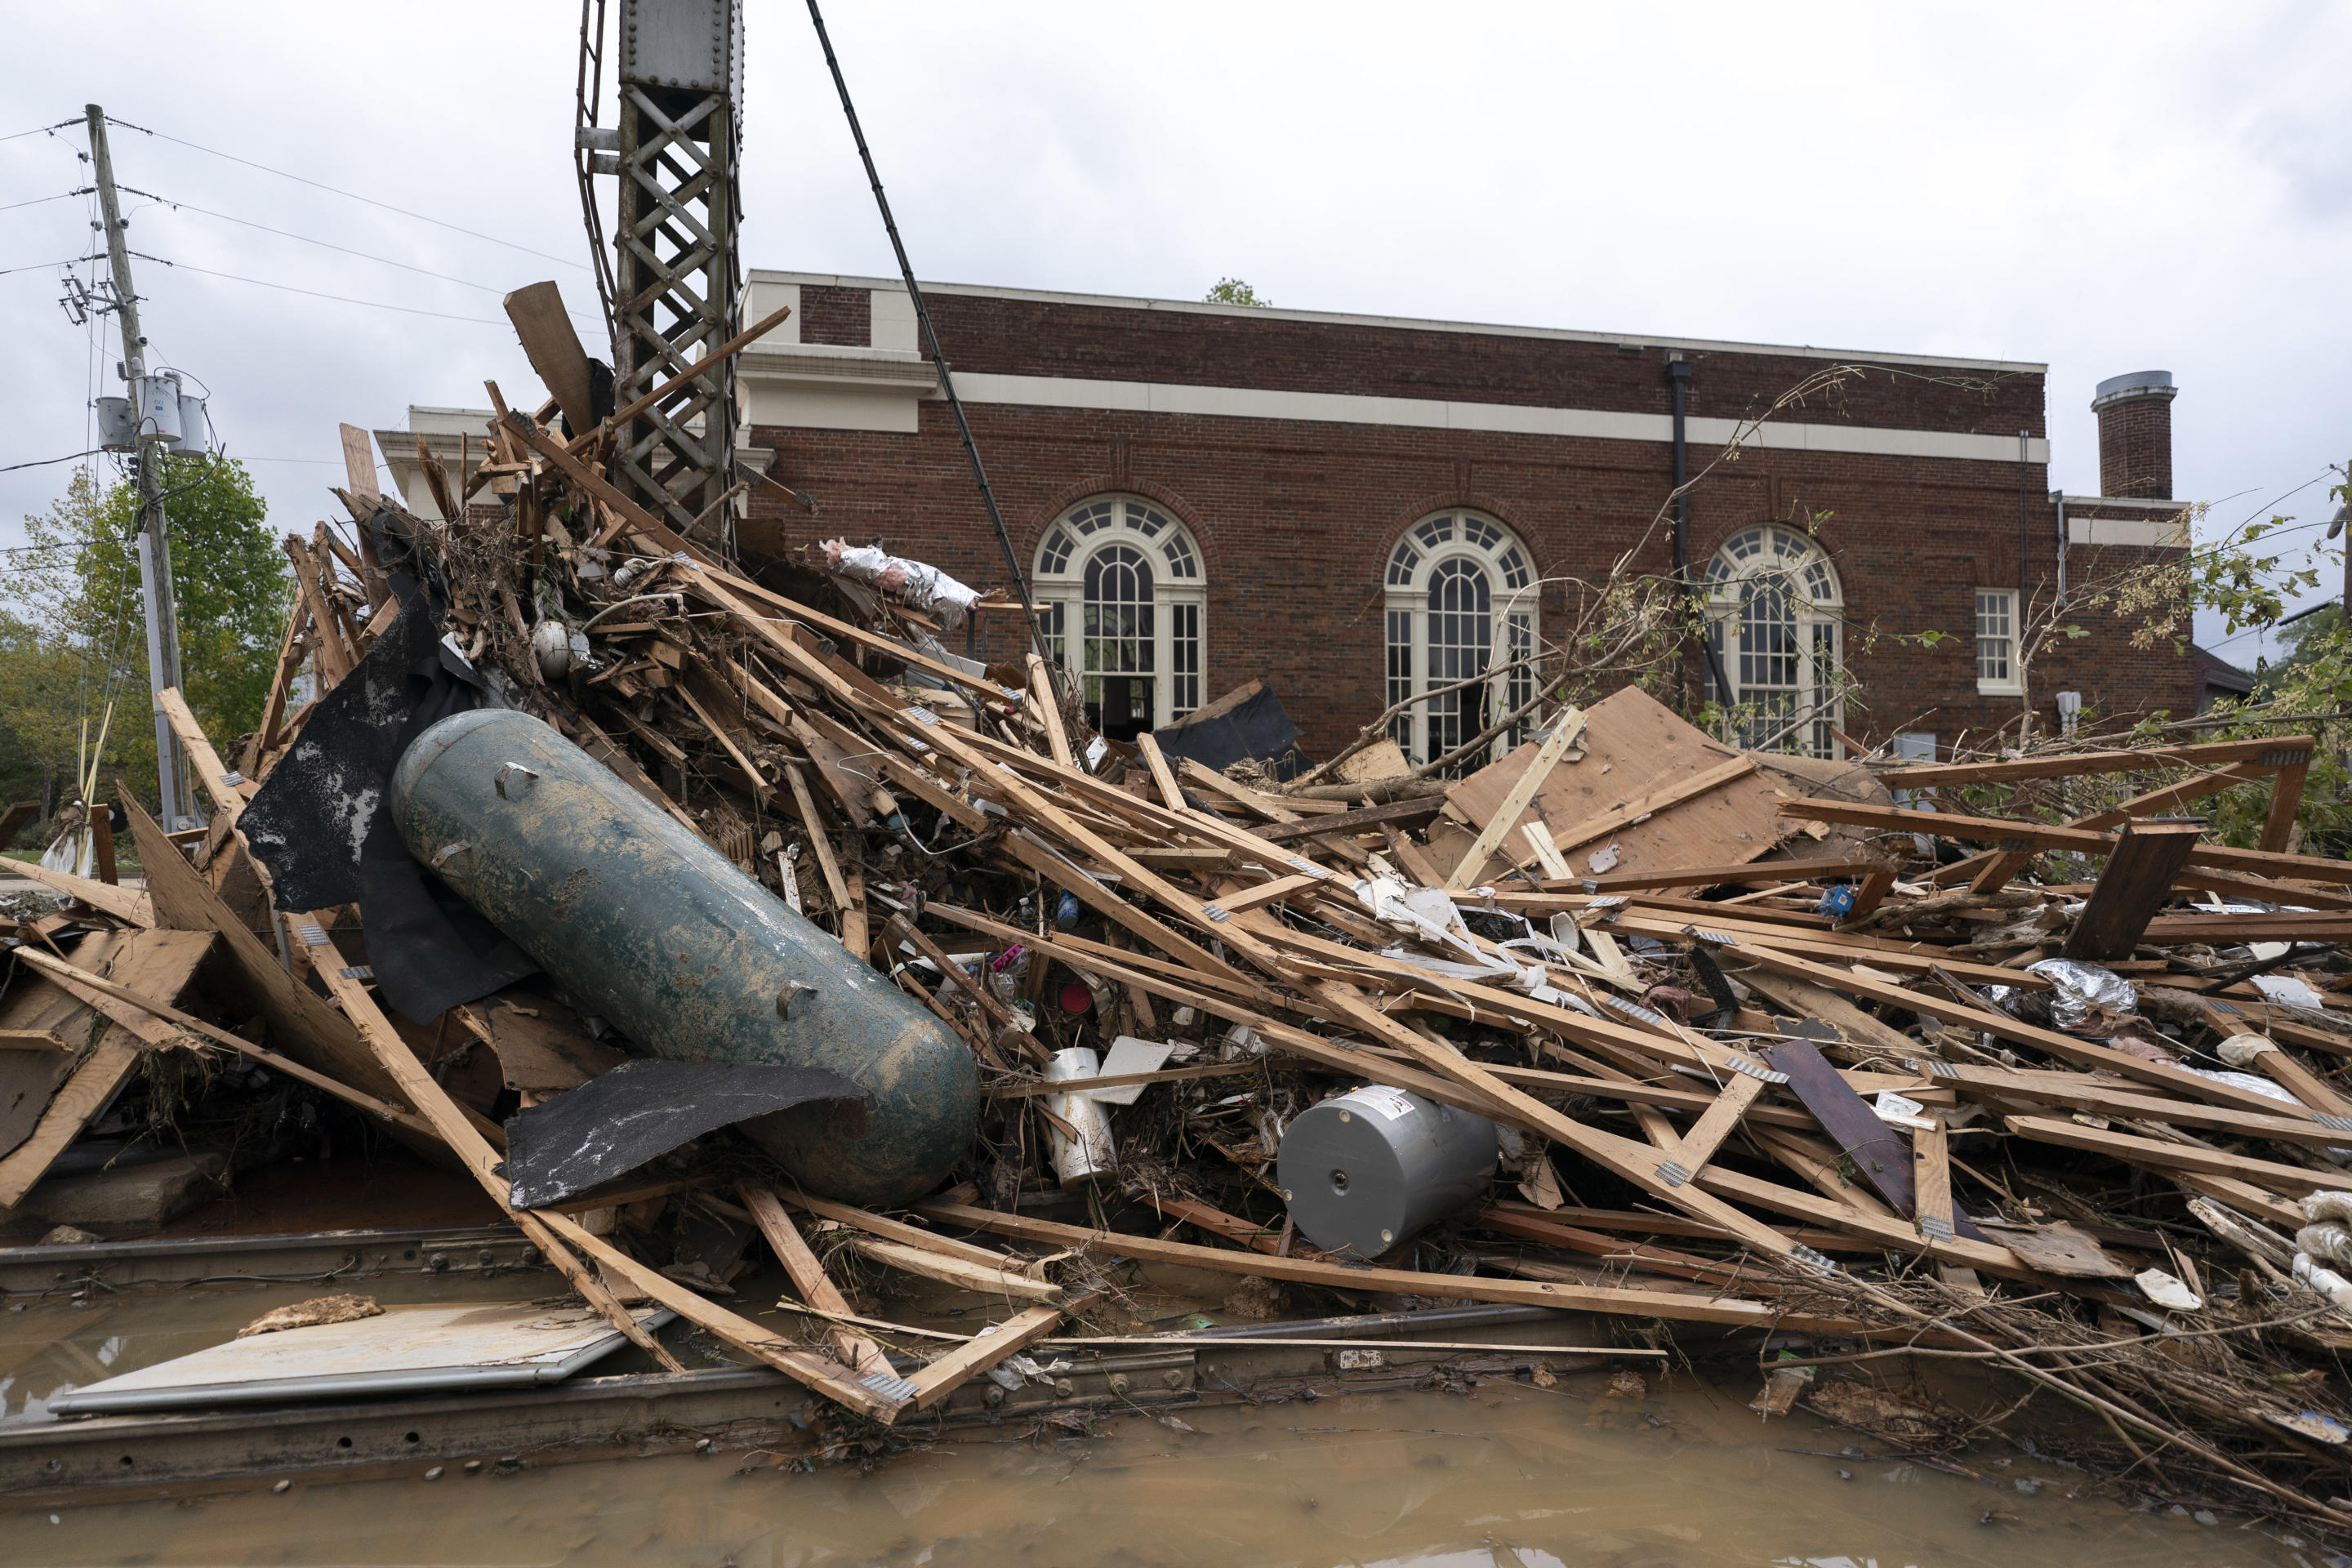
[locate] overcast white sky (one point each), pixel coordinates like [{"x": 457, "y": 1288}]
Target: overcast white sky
[{"x": 2104, "y": 188}]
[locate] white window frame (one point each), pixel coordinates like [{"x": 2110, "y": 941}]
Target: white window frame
[
  {"x": 1768, "y": 558},
  {"x": 1463, "y": 541},
  {"x": 2003, "y": 606},
  {"x": 1179, "y": 594}
]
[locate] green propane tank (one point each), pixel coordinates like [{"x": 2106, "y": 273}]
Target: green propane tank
[{"x": 653, "y": 929}]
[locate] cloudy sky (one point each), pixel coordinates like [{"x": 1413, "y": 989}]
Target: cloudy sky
[{"x": 2103, "y": 188}]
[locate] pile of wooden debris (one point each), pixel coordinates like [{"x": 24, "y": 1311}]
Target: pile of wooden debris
[{"x": 1764, "y": 1050}]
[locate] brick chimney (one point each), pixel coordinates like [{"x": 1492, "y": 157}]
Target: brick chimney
[{"x": 2136, "y": 434}]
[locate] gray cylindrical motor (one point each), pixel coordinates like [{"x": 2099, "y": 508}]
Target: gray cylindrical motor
[
  {"x": 1364, "y": 1170},
  {"x": 647, "y": 925}
]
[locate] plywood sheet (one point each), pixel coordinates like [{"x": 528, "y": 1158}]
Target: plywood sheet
[
  {"x": 1633, "y": 746},
  {"x": 403, "y": 1350}
]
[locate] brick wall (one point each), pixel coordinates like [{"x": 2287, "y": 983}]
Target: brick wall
[
  {"x": 2136, "y": 448},
  {"x": 835, "y": 315},
  {"x": 1295, "y": 518},
  {"x": 1030, "y": 337}
]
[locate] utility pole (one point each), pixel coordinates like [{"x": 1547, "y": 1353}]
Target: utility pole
[{"x": 155, "y": 548}]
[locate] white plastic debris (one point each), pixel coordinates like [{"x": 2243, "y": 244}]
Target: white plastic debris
[
  {"x": 2288, "y": 992},
  {"x": 924, "y": 586},
  {"x": 2167, "y": 1291},
  {"x": 1128, "y": 1055},
  {"x": 1091, "y": 1153},
  {"x": 2324, "y": 1280}
]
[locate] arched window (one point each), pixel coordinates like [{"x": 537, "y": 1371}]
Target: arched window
[
  {"x": 1461, "y": 601},
  {"x": 1774, "y": 609},
  {"x": 1120, "y": 589}
]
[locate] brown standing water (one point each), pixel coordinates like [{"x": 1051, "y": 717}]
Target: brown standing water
[{"x": 1506, "y": 1474}]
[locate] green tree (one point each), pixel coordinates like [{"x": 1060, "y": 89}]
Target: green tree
[
  {"x": 1233, "y": 291},
  {"x": 82, "y": 589},
  {"x": 43, "y": 745}
]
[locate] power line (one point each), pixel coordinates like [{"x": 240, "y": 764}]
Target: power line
[
  {"x": 38, "y": 129},
  {"x": 306, "y": 239},
  {"x": 45, "y": 266},
  {"x": 37, "y": 201},
  {"x": 315, "y": 294},
  {"x": 46, "y": 462},
  {"x": 353, "y": 196}
]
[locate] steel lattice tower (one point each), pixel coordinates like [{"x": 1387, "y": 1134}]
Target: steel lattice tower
[{"x": 677, "y": 273}]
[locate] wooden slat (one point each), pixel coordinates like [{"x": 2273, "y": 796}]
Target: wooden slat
[
  {"x": 2133, "y": 884},
  {"x": 1674, "y": 1305},
  {"x": 228, "y": 799},
  {"x": 959, "y": 1366},
  {"x": 1753, "y": 872},
  {"x": 123, "y": 903},
  {"x": 553, "y": 345},
  {"x": 2085, "y": 841},
  {"x": 359, "y": 462},
  {"x": 986, "y": 1281},
  {"x": 861, "y": 1354},
  {"x": 1356, "y": 821},
  {"x": 2290, "y": 1180},
  {"x": 1931, "y": 1177},
  {"x": 2286, "y": 798},
  {"x": 1048, "y": 711},
  {"x": 1565, "y": 730},
  {"x": 1156, "y": 761},
  {"x": 2082, "y": 1053},
  {"x": 301, "y": 1024},
  {"x": 1928, "y": 775},
  {"x": 162, "y": 963},
  {"x": 116, "y": 1001}
]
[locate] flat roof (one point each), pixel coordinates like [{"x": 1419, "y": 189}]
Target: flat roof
[{"x": 1404, "y": 323}]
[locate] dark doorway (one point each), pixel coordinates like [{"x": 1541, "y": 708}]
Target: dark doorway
[{"x": 1124, "y": 710}]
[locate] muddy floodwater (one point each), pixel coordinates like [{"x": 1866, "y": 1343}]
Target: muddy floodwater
[{"x": 1504, "y": 1473}]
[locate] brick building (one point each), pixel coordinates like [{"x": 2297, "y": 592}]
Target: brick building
[{"x": 1362, "y": 509}]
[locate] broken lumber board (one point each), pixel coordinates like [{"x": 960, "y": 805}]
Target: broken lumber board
[
  {"x": 2286, "y": 798},
  {"x": 161, "y": 961},
  {"x": 1395, "y": 811},
  {"x": 938, "y": 1379},
  {"x": 2319, "y": 925},
  {"x": 1672, "y": 1305},
  {"x": 1170, "y": 795},
  {"x": 228, "y": 790},
  {"x": 89, "y": 988},
  {"x": 2145, "y": 759},
  {"x": 302, "y": 1024},
  {"x": 124, "y": 904},
  {"x": 553, "y": 345},
  {"x": 1756, "y": 871},
  {"x": 947, "y": 1271},
  {"x": 2293, "y": 1181},
  {"x": 2132, "y": 886},
  {"x": 2082, "y": 1053},
  {"x": 1263, "y": 893},
  {"x": 1910, "y": 958},
  {"x": 861, "y": 1354},
  {"x": 1981, "y": 870},
  {"x": 1048, "y": 709},
  {"x": 2042, "y": 834},
  {"x": 1566, "y": 730},
  {"x": 359, "y": 462}
]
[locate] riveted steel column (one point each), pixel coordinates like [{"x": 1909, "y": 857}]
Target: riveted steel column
[{"x": 678, "y": 275}]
